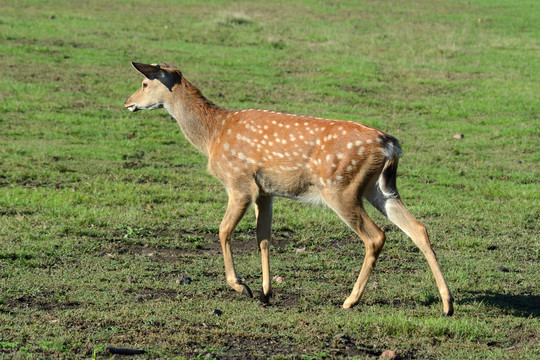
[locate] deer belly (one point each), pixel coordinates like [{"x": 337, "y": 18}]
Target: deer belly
[{"x": 290, "y": 183}]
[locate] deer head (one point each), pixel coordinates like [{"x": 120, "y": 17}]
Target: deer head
[{"x": 156, "y": 89}]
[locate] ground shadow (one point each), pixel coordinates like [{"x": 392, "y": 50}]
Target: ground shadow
[{"x": 518, "y": 305}]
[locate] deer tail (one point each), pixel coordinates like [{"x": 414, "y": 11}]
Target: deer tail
[{"x": 386, "y": 183}]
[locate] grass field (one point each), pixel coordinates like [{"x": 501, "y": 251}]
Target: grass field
[{"x": 102, "y": 210}]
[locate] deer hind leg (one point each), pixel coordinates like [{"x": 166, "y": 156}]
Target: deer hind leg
[
  {"x": 354, "y": 215},
  {"x": 236, "y": 208},
  {"x": 395, "y": 210},
  {"x": 263, "y": 212}
]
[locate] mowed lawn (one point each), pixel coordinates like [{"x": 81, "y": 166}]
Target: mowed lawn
[{"x": 106, "y": 215}]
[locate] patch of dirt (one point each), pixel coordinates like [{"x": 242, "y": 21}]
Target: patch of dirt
[
  {"x": 398, "y": 303},
  {"x": 16, "y": 212},
  {"x": 264, "y": 348},
  {"x": 245, "y": 243},
  {"x": 41, "y": 303},
  {"x": 357, "y": 90},
  {"x": 143, "y": 295}
]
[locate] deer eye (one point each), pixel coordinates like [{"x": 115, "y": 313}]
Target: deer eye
[{"x": 144, "y": 85}]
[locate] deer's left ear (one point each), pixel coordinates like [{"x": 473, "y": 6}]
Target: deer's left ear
[{"x": 155, "y": 72}]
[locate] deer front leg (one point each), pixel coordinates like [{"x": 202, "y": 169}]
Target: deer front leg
[
  {"x": 235, "y": 211},
  {"x": 263, "y": 212}
]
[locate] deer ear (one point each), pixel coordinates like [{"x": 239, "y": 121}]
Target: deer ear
[
  {"x": 150, "y": 71},
  {"x": 154, "y": 71}
]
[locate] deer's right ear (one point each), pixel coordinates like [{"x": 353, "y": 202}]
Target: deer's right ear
[
  {"x": 152, "y": 72},
  {"x": 149, "y": 71}
]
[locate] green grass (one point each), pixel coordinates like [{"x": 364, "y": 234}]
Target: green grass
[{"x": 101, "y": 210}]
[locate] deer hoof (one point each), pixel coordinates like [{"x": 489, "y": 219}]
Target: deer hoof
[
  {"x": 450, "y": 307},
  {"x": 264, "y": 298},
  {"x": 246, "y": 291},
  {"x": 449, "y": 312},
  {"x": 348, "y": 304}
]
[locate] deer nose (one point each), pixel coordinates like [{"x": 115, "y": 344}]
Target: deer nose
[{"x": 131, "y": 106}]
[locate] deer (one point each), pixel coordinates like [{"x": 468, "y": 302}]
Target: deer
[{"x": 260, "y": 154}]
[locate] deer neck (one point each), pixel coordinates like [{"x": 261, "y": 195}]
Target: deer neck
[{"x": 198, "y": 118}]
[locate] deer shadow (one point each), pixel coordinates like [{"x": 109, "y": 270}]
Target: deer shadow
[{"x": 517, "y": 305}]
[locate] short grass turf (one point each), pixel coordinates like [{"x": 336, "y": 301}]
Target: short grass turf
[{"x": 102, "y": 211}]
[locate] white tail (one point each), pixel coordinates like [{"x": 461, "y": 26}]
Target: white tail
[{"x": 258, "y": 154}]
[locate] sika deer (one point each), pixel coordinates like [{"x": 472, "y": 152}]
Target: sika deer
[{"x": 259, "y": 154}]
